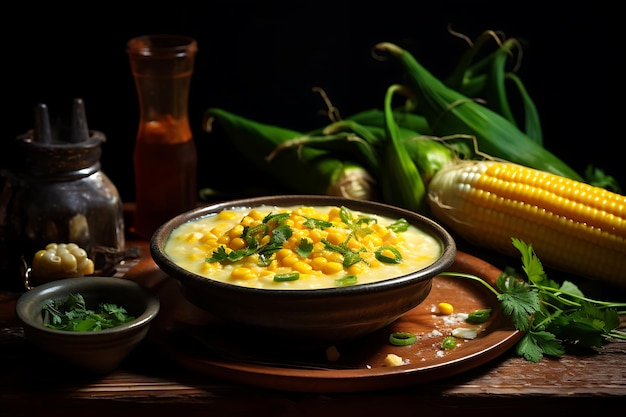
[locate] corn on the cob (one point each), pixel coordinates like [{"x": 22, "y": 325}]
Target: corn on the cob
[
  {"x": 572, "y": 226},
  {"x": 306, "y": 171}
]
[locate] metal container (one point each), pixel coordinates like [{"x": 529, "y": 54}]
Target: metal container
[{"x": 55, "y": 191}]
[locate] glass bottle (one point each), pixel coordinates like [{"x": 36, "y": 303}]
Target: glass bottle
[{"x": 164, "y": 156}]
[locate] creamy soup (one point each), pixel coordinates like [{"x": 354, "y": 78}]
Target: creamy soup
[{"x": 300, "y": 247}]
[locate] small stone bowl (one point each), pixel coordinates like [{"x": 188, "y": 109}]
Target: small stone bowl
[
  {"x": 97, "y": 352},
  {"x": 310, "y": 316}
]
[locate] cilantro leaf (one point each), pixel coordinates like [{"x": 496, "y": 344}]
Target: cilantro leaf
[
  {"x": 316, "y": 223},
  {"x": 518, "y": 300},
  {"x": 71, "y": 314},
  {"x": 305, "y": 248},
  {"x": 555, "y": 317},
  {"x": 533, "y": 345}
]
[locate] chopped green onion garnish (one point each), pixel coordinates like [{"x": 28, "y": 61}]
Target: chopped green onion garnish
[
  {"x": 347, "y": 280},
  {"x": 402, "y": 338},
  {"x": 386, "y": 259},
  {"x": 292, "y": 276},
  {"x": 478, "y": 316},
  {"x": 448, "y": 343}
]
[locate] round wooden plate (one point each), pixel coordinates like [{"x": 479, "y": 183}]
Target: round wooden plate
[{"x": 198, "y": 341}]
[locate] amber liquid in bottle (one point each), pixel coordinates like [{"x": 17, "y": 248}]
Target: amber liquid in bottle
[
  {"x": 165, "y": 156},
  {"x": 165, "y": 174}
]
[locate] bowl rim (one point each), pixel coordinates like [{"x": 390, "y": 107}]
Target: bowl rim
[
  {"x": 74, "y": 285},
  {"x": 159, "y": 238}
]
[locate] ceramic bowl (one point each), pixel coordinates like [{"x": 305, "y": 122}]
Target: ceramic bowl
[
  {"x": 329, "y": 315},
  {"x": 99, "y": 351}
]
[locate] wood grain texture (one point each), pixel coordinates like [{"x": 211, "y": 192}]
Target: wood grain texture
[{"x": 149, "y": 382}]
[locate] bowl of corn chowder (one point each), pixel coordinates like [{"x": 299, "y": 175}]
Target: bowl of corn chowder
[{"x": 307, "y": 268}]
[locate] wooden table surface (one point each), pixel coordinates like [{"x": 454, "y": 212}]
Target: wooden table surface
[{"x": 150, "y": 382}]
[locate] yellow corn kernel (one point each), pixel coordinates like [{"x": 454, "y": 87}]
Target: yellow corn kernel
[
  {"x": 242, "y": 273},
  {"x": 226, "y": 215},
  {"x": 335, "y": 237},
  {"x": 357, "y": 268},
  {"x": 195, "y": 256},
  {"x": 283, "y": 253},
  {"x": 223, "y": 240},
  {"x": 372, "y": 240},
  {"x": 206, "y": 268},
  {"x": 218, "y": 230},
  {"x": 332, "y": 268},
  {"x": 265, "y": 240},
  {"x": 393, "y": 360},
  {"x": 316, "y": 235},
  {"x": 379, "y": 229},
  {"x": 236, "y": 231},
  {"x": 332, "y": 353},
  {"x": 373, "y": 262},
  {"x": 334, "y": 257},
  {"x": 208, "y": 239},
  {"x": 237, "y": 243},
  {"x": 256, "y": 214},
  {"x": 354, "y": 244},
  {"x": 302, "y": 267},
  {"x": 333, "y": 213},
  {"x": 445, "y": 308},
  {"x": 318, "y": 263},
  {"x": 246, "y": 221},
  {"x": 572, "y": 226},
  {"x": 191, "y": 237},
  {"x": 273, "y": 266},
  {"x": 289, "y": 260}
]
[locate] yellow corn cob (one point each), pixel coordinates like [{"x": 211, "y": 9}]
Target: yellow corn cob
[{"x": 572, "y": 226}]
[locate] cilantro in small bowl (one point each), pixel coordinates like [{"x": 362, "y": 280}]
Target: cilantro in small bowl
[
  {"x": 91, "y": 322},
  {"x": 72, "y": 314}
]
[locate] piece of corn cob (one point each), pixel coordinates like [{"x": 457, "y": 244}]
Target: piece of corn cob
[{"x": 572, "y": 226}]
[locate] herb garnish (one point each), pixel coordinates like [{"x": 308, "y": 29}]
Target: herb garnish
[
  {"x": 358, "y": 225},
  {"x": 555, "y": 318},
  {"x": 72, "y": 314}
]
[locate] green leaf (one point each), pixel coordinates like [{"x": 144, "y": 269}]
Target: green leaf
[
  {"x": 528, "y": 348},
  {"x": 531, "y": 264},
  {"x": 518, "y": 300},
  {"x": 305, "y": 248},
  {"x": 548, "y": 343},
  {"x": 316, "y": 223}
]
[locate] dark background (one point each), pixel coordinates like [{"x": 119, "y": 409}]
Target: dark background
[{"x": 261, "y": 59}]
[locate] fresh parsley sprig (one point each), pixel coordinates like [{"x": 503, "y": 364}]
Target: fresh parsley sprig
[{"x": 554, "y": 317}]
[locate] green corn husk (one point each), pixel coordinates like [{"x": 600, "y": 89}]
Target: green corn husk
[
  {"x": 405, "y": 120},
  {"x": 305, "y": 171},
  {"x": 532, "y": 122},
  {"x": 495, "y": 91},
  {"x": 400, "y": 180},
  {"x": 344, "y": 139},
  {"x": 451, "y": 113},
  {"x": 367, "y": 143}
]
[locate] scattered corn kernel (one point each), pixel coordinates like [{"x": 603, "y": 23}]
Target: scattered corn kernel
[
  {"x": 393, "y": 360},
  {"x": 332, "y": 354},
  {"x": 445, "y": 308}
]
